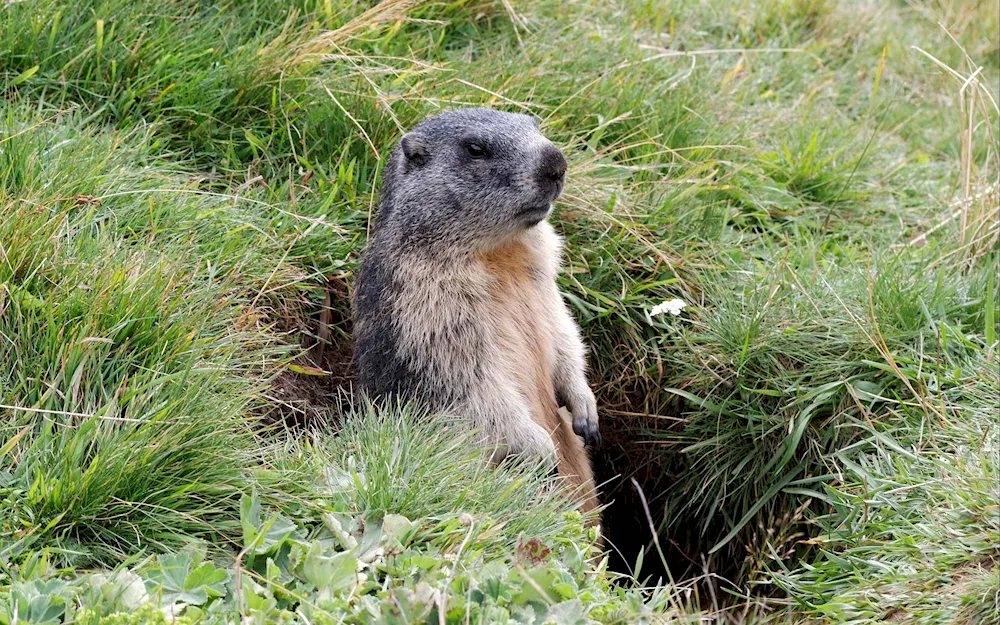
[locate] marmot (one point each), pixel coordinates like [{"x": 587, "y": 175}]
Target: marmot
[{"x": 456, "y": 302}]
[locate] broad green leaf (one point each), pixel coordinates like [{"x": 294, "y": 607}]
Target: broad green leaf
[
  {"x": 207, "y": 577},
  {"x": 337, "y": 572}
]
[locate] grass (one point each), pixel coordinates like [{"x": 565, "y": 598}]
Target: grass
[
  {"x": 370, "y": 530},
  {"x": 121, "y": 368},
  {"x": 914, "y": 519},
  {"x": 181, "y": 184}
]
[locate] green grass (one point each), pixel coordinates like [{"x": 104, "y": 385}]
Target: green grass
[
  {"x": 912, "y": 524},
  {"x": 372, "y": 530},
  {"x": 124, "y": 380},
  {"x": 813, "y": 434}
]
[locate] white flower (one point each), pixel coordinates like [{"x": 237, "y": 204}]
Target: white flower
[{"x": 673, "y": 306}]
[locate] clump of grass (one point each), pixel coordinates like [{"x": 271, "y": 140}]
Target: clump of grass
[
  {"x": 125, "y": 412},
  {"x": 786, "y": 365},
  {"x": 915, "y": 509},
  {"x": 127, "y": 370},
  {"x": 403, "y": 458}
]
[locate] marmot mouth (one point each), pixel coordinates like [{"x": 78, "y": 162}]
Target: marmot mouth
[{"x": 535, "y": 211}]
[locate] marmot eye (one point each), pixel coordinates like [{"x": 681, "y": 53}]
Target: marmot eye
[{"x": 475, "y": 150}]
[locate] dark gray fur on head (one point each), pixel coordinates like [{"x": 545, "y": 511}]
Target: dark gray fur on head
[{"x": 465, "y": 178}]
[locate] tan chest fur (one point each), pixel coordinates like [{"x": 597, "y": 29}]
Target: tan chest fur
[
  {"x": 519, "y": 276},
  {"x": 524, "y": 339}
]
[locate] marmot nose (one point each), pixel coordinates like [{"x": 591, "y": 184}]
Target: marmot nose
[{"x": 551, "y": 166}]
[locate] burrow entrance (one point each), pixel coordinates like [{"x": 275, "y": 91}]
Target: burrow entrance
[{"x": 313, "y": 389}]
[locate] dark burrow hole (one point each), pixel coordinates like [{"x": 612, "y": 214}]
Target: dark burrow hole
[
  {"x": 316, "y": 386},
  {"x": 632, "y": 474}
]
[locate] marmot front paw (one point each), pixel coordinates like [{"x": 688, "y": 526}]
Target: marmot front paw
[{"x": 583, "y": 406}]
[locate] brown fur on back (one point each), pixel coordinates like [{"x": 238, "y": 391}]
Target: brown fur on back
[{"x": 525, "y": 343}]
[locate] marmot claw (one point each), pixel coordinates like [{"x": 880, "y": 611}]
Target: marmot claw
[{"x": 583, "y": 407}]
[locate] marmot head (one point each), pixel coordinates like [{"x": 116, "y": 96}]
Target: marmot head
[{"x": 471, "y": 176}]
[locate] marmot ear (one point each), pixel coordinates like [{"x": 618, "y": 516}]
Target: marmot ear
[{"x": 414, "y": 150}]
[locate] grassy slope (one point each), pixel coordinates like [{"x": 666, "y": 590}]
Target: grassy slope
[{"x": 178, "y": 180}]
